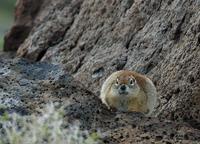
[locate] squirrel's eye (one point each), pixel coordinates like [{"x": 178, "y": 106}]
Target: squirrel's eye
[
  {"x": 117, "y": 81},
  {"x": 132, "y": 81}
]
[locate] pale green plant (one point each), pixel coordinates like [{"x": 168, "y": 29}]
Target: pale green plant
[{"x": 45, "y": 128}]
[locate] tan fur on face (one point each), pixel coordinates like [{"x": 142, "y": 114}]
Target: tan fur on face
[{"x": 142, "y": 100}]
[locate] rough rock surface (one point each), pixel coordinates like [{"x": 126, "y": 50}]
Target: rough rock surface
[
  {"x": 25, "y": 87},
  {"x": 91, "y": 39}
]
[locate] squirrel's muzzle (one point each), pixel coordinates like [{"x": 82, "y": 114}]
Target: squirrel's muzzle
[{"x": 123, "y": 89}]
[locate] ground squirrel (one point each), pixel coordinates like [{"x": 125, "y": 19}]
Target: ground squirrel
[{"x": 129, "y": 91}]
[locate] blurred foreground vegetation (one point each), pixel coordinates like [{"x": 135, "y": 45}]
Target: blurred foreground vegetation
[
  {"x": 6, "y": 17},
  {"x": 47, "y": 127}
]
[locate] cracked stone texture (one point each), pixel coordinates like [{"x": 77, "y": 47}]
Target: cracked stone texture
[
  {"x": 26, "y": 86},
  {"x": 93, "y": 38}
]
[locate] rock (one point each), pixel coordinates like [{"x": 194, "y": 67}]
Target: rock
[
  {"x": 25, "y": 87},
  {"x": 92, "y": 39},
  {"x": 28, "y": 85}
]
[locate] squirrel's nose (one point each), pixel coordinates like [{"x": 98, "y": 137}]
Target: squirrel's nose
[{"x": 123, "y": 87}]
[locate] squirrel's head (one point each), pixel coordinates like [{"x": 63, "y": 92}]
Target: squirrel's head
[{"x": 125, "y": 85}]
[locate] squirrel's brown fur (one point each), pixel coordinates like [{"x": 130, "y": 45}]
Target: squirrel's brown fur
[{"x": 141, "y": 96}]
